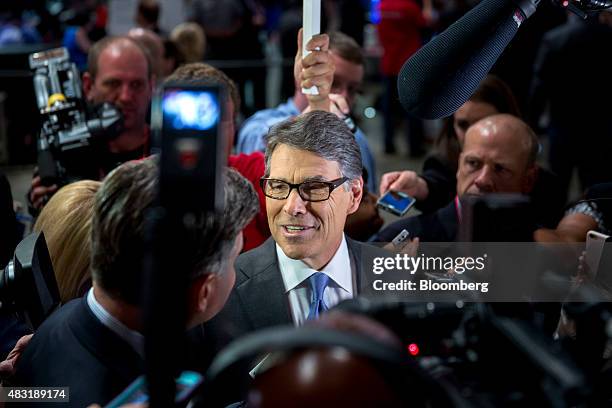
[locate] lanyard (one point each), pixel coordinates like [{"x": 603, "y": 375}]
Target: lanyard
[{"x": 458, "y": 208}]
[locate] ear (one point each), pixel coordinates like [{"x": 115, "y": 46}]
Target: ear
[
  {"x": 459, "y": 165},
  {"x": 87, "y": 84},
  {"x": 202, "y": 289},
  {"x": 530, "y": 178},
  {"x": 356, "y": 195}
]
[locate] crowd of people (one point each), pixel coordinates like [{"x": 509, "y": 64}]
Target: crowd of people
[{"x": 300, "y": 218}]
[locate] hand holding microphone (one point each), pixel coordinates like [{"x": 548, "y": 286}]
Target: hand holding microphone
[{"x": 315, "y": 70}]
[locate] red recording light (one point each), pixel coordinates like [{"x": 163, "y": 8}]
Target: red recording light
[
  {"x": 413, "y": 349},
  {"x": 565, "y": 3}
]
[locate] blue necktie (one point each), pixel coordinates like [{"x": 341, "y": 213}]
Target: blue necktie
[{"x": 318, "y": 283}]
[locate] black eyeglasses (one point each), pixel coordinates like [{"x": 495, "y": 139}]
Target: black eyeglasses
[{"x": 308, "y": 190}]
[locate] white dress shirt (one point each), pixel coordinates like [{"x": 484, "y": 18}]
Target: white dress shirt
[
  {"x": 133, "y": 338},
  {"x": 295, "y": 275}
]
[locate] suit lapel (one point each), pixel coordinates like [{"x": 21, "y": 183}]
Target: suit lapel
[
  {"x": 354, "y": 249},
  {"x": 263, "y": 294},
  {"x": 362, "y": 255}
]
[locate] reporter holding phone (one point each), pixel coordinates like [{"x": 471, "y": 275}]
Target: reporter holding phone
[
  {"x": 498, "y": 156},
  {"x": 435, "y": 186}
]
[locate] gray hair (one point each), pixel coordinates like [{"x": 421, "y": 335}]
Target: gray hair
[
  {"x": 321, "y": 133},
  {"x": 120, "y": 216},
  {"x": 241, "y": 205}
]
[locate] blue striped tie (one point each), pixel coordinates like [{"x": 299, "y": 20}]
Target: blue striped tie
[{"x": 318, "y": 283}]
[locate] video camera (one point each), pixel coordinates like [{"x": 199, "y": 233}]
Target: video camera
[
  {"x": 70, "y": 128},
  {"x": 27, "y": 284},
  {"x": 185, "y": 122},
  {"x": 460, "y": 345}
]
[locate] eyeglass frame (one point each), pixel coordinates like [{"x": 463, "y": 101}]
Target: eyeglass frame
[{"x": 332, "y": 185}]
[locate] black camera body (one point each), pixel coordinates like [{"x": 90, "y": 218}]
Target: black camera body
[
  {"x": 186, "y": 125},
  {"x": 70, "y": 130},
  {"x": 497, "y": 218},
  {"x": 27, "y": 284}
]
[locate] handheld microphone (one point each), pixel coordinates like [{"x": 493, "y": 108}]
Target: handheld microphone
[{"x": 444, "y": 73}]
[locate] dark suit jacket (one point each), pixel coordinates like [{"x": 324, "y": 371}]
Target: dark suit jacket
[
  {"x": 73, "y": 349},
  {"x": 258, "y": 299}
]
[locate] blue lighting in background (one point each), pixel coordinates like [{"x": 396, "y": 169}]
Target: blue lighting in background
[
  {"x": 374, "y": 11},
  {"x": 194, "y": 110}
]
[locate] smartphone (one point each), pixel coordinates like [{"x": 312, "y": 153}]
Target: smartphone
[
  {"x": 186, "y": 384},
  {"x": 400, "y": 239},
  {"x": 594, "y": 248},
  {"x": 396, "y": 202}
]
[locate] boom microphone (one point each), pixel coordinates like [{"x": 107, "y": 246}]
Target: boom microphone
[{"x": 443, "y": 74}]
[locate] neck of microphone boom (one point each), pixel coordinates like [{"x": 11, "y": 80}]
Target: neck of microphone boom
[{"x": 528, "y": 7}]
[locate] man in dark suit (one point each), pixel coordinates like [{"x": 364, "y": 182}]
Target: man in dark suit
[
  {"x": 312, "y": 183},
  {"x": 94, "y": 345},
  {"x": 499, "y": 156}
]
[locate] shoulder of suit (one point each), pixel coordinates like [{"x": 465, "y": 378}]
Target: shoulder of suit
[{"x": 255, "y": 260}]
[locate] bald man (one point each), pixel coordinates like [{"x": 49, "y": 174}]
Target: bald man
[
  {"x": 499, "y": 156},
  {"x": 120, "y": 72}
]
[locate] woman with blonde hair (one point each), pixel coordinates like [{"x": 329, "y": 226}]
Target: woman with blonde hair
[{"x": 66, "y": 223}]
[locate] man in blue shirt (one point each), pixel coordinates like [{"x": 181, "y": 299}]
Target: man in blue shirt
[{"x": 348, "y": 59}]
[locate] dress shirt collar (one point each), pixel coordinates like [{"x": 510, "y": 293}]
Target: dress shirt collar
[
  {"x": 295, "y": 271},
  {"x": 133, "y": 338},
  {"x": 290, "y": 107}
]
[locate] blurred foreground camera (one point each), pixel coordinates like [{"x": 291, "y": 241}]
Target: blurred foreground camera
[
  {"x": 70, "y": 128},
  {"x": 496, "y": 218},
  {"x": 27, "y": 284},
  {"x": 461, "y": 345},
  {"x": 186, "y": 125}
]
